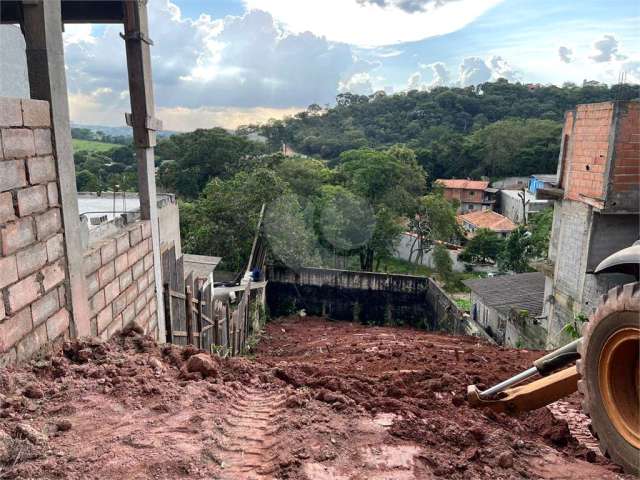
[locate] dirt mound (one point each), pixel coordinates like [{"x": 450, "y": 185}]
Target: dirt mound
[
  {"x": 419, "y": 380},
  {"x": 321, "y": 401}
]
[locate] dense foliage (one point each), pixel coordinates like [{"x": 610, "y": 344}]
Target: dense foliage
[
  {"x": 454, "y": 131},
  {"x": 316, "y": 215}
]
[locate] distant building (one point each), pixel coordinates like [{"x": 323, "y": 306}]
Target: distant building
[
  {"x": 486, "y": 219},
  {"x": 541, "y": 181},
  {"x": 519, "y": 203},
  {"x": 473, "y": 195},
  {"x": 597, "y": 202},
  {"x": 508, "y": 307}
]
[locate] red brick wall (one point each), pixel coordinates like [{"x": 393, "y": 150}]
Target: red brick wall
[
  {"x": 121, "y": 282},
  {"x": 586, "y": 160},
  {"x": 626, "y": 167},
  {"x": 33, "y": 305}
]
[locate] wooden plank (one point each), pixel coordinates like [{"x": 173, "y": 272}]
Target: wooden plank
[
  {"x": 182, "y": 333},
  {"x": 179, "y": 295},
  {"x": 199, "y": 316},
  {"x": 189, "y": 315},
  {"x": 167, "y": 309}
]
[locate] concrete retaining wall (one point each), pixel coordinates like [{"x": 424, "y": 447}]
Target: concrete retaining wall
[
  {"x": 374, "y": 298},
  {"x": 33, "y": 272}
]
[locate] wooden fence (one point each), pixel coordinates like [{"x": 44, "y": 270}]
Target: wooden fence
[{"x": 215, "y": 324}]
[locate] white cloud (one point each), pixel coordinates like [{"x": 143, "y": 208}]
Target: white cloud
[
  {"x": 606, "y": 50},
  {"x": 502, "y": 69},
  {"x": 565, "y": 54},
  {"x": 78, "y": 34},
  {"x": 473, "y": 71},
  {"x": 374, "y": 23},
  {"x": 415, "y": 82},
  {"x": 440, "y": 74},
  {"x": 358, "y": 83},
  {"x": 245, "y": 62}
]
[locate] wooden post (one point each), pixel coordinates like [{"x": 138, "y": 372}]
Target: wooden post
[
  {"x": 227, "y": 321},
  {"x": 188, "y": 301},
  {"x": 137, "y": 41},
  {"x": 216, "y": 323},
  {"x": 167, "y": 312},
  {"x": 42, "y": 27},
  {"x": 199, "y": 317}
]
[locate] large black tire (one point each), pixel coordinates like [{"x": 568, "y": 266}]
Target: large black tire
[{"x": 616, "y": 318}]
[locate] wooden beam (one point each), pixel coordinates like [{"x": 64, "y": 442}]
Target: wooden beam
[
  {"x": 47, "y": 80},
  {"x": 136, "y": 35}
]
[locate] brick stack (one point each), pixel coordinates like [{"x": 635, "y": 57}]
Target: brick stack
[
  {"x": 33, "y": 306},
  {"x": 121, "y": 282}
]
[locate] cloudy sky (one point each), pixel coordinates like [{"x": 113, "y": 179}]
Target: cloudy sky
[{"x": 231, "y": 62}]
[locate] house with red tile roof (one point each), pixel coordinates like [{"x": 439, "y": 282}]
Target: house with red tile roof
[
  {"x": 472, "y": 195},
  {"x": 486, "y": 219}
]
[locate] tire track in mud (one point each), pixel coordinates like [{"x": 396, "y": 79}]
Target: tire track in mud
[
  {"x": 249, "y": 445},
  {"x": 578, "y": 424}
]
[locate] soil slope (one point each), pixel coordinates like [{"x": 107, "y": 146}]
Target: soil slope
[{"x": 320, "y": 400}]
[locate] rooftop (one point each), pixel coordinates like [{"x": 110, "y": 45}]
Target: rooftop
[
  {"x": 488, "y": 219},
  {"x": 104, "y": 208},
  {"x": 200, "y": 265},
  {"x": 523, "y": 291},
  {"x": 463, "y": 184}
]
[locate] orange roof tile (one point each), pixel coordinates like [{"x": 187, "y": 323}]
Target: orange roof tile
[
  {"x": 463, "y": 184},
  {"x": 488, "y": 219}
]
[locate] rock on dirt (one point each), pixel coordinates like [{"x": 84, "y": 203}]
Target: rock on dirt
[
  {"x": 202, "y": 363},
  {"x": 33, "y": 391},
  {"x": 5, "y": 446},
  {"x": 33, "y": 435},
  {"x": 64, "y": 425}
]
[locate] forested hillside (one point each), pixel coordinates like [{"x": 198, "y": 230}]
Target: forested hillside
[{"x": 494, "y": 129}]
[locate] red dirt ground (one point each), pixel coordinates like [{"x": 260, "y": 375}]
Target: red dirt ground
[{"x": 320, "y": 400}]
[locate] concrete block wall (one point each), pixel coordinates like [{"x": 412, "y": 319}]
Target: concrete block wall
[
  {"x": 121, "y": 282},
  {"x": 33, "y": 272}
]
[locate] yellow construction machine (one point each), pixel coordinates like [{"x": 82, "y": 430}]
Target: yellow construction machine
[{"x": 606, "y": 370}]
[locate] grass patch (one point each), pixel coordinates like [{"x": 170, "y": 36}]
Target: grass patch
[
  {"x": 91, "y": 146},
  {"x": 396, "y": 265},
  {"x": 463, "y": 304}
]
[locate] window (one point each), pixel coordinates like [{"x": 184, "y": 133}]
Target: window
[{"x": 472, "y": 193}]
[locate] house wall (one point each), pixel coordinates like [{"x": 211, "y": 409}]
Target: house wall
[
  {"x": 33, "y": 272},
  {"x": 121, "y": 282},
  {"x": 624, "y": 189},
  {"x": 403, "y": 251},
  {"x": 511, "y": 332},
  {"x": 598, "y": 213},
  {"x": 586, "y": 161}
]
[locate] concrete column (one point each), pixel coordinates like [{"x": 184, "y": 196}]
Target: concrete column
[
  {"x": 42, "y": 28},
  {"x": 136, "y": 36}
]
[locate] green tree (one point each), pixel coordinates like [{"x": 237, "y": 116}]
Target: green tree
[
  {"x": 540, "y": 228},
  {"x": 442, "y": 261},
  {"x": 289, "y": 238},
  {"x": 223, "y": 220},
  {"x": 517, "y": 251},
  {"x": 87, "y": 182},
  {"x": 484, "y": 247},
  {"x": 391, "y": 182},
  {"x": 434, "y": 221}
]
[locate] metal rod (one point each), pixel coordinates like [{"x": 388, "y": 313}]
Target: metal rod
[{"x": 510, "y": 382}]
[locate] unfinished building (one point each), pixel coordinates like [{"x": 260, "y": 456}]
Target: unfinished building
[
  {"x": 596, "y": 209},
  {"x": 51, "y": 286}
]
